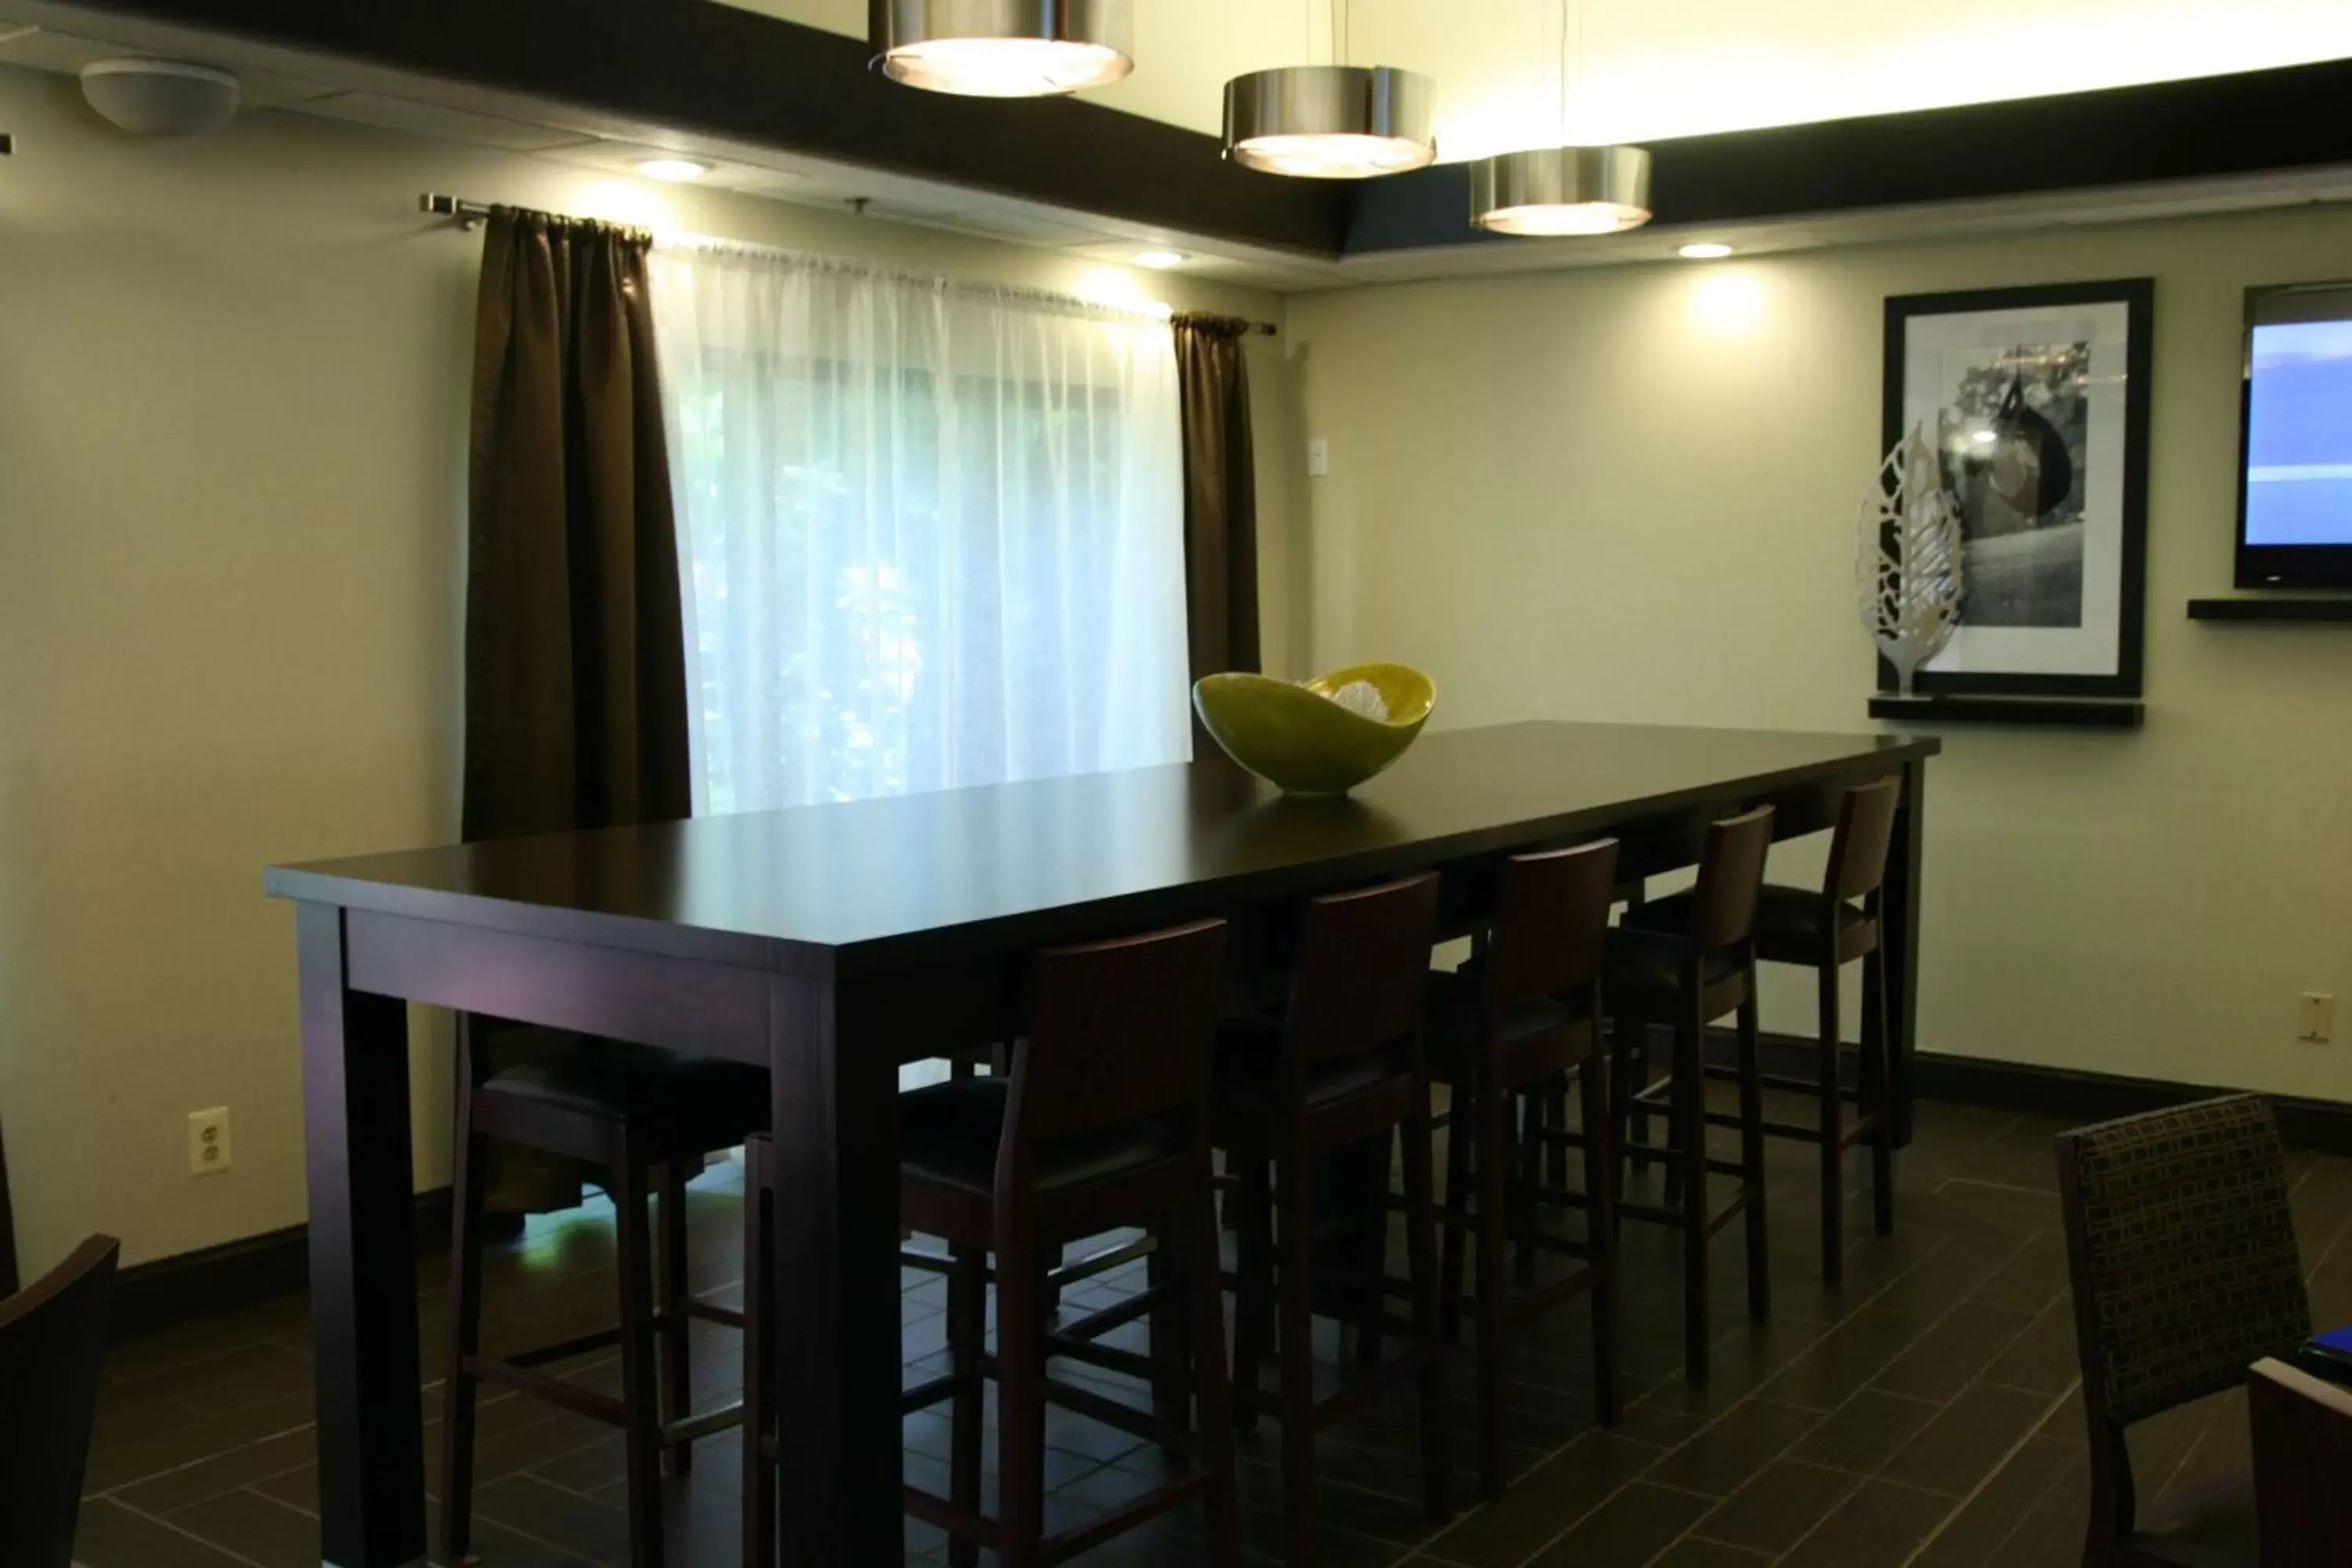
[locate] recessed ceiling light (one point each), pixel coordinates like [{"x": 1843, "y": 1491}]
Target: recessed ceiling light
[
  {"x": 672, "y": 169},
  {"x": 1160, "y": 259},
  {"x": 1703, "y": 250}
]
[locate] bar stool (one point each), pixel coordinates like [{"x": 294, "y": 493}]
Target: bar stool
[
  {"x": 1823, "y": 931},
  {"x": 1687, "y": 980},
  {"x": 994, "y": 1060},
  {"x": 629, "y": 1109},
  {"x": 1103, "y": 1123},
  {"x": 1340, "y": 1066},
  {"x": 1507, "y": 1030},
  {"x": 1116, "y": 1253}
]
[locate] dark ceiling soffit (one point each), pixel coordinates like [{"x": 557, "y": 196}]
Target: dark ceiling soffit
[
  {"x": 2251, "y": 122},
  {"x": 698, "y": 66}
]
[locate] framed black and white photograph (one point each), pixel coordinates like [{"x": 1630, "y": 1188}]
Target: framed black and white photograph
[{"x": 2036, "y": 400}]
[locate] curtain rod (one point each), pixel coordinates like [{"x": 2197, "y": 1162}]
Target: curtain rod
[{"x": 470, "y": 216}]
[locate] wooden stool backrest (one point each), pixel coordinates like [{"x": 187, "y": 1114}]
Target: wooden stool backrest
[
  {"x": 1730, "y": 880},
  {"x": 1362, "y": 976},
  {"x": 1865, "y": 831},
  {"x": 2303, "y": 1451},
  {"x": 52, "y": 1344},
  {"x": 1119, "y": 1032},
  {"x": 1552, "y": 922}
]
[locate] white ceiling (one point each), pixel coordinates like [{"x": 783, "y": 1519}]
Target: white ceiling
[{"x": 1641, "y": 69}]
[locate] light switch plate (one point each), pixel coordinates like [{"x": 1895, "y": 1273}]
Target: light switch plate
[
  {"x": 1319, "y": 458},
  {"x": 2316, "y": 1018}
]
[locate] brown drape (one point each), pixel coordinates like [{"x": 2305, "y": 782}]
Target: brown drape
[
  {"x": 575, "y": 658},
  {"x": 1220, "y": 495}
]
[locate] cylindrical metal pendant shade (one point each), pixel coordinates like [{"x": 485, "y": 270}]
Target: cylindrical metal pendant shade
[
  {"x": 1561, "y": 190},
  {"x": 1331, "y": 123},
  {"x": 1006, "y": 49}
]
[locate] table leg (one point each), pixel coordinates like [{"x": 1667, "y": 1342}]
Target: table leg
[
  {"x": 1899, "y": 909},
  {"x": 363, "y": 1259},
  {"x": 836, "y": 1297}
]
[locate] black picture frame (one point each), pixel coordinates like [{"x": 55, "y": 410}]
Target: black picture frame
[{"x": 2138, "y": 295}]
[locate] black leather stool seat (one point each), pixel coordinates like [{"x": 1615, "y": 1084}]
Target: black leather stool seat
[
  {"x": 1452, "y": 1029},
  {"x": 1648, "y": 964},
  {"x": 948, "y": 1134},
  {"x": 687, "y": 1103},
  {"x": 1785, "y": 918},
  {"x": 1249, "y": 1068}
]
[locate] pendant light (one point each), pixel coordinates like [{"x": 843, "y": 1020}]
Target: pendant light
[
  {"x": 1334, "y": 121},
  {"x": 1562, "y": 190},
  {"x": 1004, "y": 48}
]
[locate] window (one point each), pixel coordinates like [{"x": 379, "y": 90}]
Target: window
[{"x": 933, "y": 534}]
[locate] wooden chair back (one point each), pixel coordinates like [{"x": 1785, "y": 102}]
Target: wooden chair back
[
  {"x": 2302, "y": 1452},
  {"x": 1865, "y": 832},
  {"x": 1363, "y": 971},
  {"x": 2181, "y": 1252},
  {"x": 1552, "y": 922},
  {"x": 52, "y": 1344},
  {"x": 1730, "y": 880},
  {"x": 1119, "y": 1032}
]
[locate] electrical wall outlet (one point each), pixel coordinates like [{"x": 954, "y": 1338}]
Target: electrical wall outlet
[
  {"x": 2316, "y": 1018},
  {"x": 208, "y": 1148}
]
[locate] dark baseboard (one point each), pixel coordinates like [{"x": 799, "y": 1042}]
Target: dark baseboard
[
  {"x": 2320, "y": 1126},
  {"x": 261, "y": 1267},
  {"x": 243, "y": 1273}
]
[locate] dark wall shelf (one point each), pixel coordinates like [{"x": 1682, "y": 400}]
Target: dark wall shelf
[
  {"x": 2275, "y": 612},
  {"x": 2052, "y": 712}
]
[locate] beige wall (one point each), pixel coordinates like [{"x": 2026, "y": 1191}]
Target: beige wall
[
  {"x": 232, "y": 423},
  {"x": 232, "y": 436},
  {"x": 1631, "y": 495}
]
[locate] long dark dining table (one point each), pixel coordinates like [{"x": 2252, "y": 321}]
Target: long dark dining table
[{"x": 834, "y": 941}]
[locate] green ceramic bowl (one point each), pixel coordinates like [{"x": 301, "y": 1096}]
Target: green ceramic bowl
[{"x": 1297, "y": 737}]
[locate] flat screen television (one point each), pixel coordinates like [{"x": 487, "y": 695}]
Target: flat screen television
[{"x": 2295, "y": 487}]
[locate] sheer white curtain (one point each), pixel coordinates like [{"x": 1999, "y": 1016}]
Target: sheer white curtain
[{"x": 932, "y": 532}]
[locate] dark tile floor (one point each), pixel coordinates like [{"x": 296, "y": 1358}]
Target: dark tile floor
[{"x": 1925, "y": 1413}]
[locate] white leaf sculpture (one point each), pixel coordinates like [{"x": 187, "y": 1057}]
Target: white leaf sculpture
[{"x": 1907, "y": 558}]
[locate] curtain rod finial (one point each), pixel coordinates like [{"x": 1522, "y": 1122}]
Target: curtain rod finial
[{"x": 469, "y": 215}]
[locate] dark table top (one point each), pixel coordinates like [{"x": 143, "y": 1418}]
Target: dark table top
[{"x": 862, "y": 886}]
